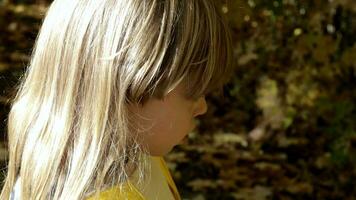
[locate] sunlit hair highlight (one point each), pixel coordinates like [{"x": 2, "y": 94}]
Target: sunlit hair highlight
[{"x": 69, "y": 126}]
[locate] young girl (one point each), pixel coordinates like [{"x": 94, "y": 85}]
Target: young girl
[{"x": 112, "y": 86}]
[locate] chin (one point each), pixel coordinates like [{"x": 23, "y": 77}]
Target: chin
[{"x": 160, "y": 153}]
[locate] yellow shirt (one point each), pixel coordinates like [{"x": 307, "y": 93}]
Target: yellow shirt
[{"x": 160, "y": 186}]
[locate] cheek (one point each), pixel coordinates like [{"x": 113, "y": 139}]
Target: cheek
[
  {"x": 167, "y": 128},
  {"x": 171, "y": 126}
]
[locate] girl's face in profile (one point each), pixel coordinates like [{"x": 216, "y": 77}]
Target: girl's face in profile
[{"x": 164, "y": 123}]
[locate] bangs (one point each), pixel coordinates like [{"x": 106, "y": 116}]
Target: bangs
[
  {"x": 198, "y": 53},
  {"x": 211, "y": 66}
]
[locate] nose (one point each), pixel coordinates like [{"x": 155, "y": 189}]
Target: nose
[{"x": 201, "y": 107}]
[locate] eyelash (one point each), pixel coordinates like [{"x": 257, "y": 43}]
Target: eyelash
[{"x": 197, "y": 98}]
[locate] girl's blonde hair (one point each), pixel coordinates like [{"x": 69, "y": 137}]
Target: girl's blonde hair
[{"x": 69, "y": 126}]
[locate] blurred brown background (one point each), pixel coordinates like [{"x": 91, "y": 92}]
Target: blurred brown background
[{"x": 286, "y": 127}]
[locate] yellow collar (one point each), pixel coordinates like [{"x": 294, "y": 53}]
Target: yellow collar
[{"x": 160, "y": 186}]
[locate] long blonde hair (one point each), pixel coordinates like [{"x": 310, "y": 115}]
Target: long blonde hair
[{"x": 69, "y": 125}]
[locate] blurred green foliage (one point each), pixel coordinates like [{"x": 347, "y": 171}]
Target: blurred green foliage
[{"x": 296, "y": 60}]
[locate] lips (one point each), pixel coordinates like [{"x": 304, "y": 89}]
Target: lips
[
  {"x": 184, "y": 140},
  {"x": 194, "y": 125}
]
